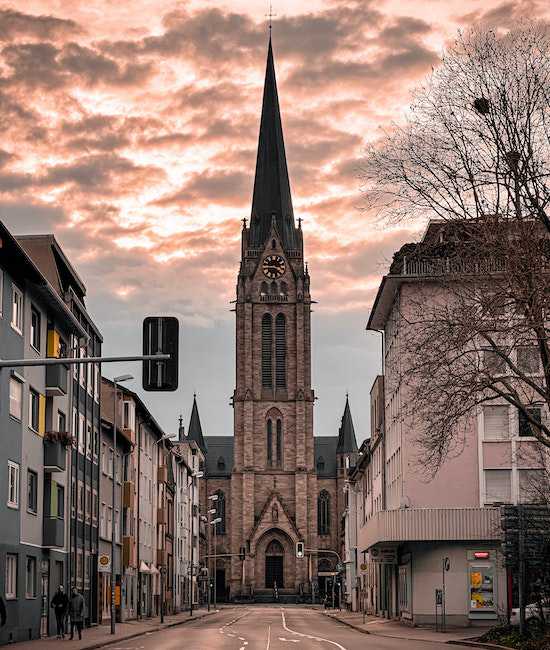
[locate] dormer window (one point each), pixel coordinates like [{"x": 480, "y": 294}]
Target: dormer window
[
  {"x": 221, "y": 464},
  {"x": 320, "y": 464}
]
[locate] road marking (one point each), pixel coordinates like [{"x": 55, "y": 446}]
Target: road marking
[
  {"x": 309, "y": 636},
  {"x": 268, "y": 637},
  {"x": 282, "y": 638}
]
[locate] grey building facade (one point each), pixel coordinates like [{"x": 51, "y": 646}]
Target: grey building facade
[{"x": 35, "y": 435}]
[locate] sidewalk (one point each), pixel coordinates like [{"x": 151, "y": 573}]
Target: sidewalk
[
  {"x": 100, "y": 635},
  {"x": 395, "y": 629}
]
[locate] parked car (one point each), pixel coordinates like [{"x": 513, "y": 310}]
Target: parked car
[{"x": 531, "y": 612}]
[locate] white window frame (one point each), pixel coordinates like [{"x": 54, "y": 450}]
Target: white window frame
[
  {"x": 34, "y": 394},
  {"x": 14, "y": 381},
  {"x": 17, "y": 309},
  {"x": 14, "y": 472},
  {"x": 35, "y": 310},
  {"x": 488, "y": 499},
  {"x": 505, "y": 432},
  {"x": 30, "y": 593},
  {"x": 81, "y": 430},
  {"x": 11, "y": 576}
]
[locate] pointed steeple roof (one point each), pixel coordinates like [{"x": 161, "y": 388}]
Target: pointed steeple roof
[
  {"x": 271, "y": 183},
  {"x": 194, "y": 432},
  {"x": 347, "y": 443}
]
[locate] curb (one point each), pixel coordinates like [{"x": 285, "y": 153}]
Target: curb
[
  {"x": 339, "y": 620},
  {"x": 127, "y": 637},
  {"x": 479, "y": 644}
]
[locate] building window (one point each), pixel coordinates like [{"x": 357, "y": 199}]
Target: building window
[
  {"x": 81, "y": 429},
  {"x": 279, "y": 444},
  {"x": 264, "y": 290},
  {"x": 11, "y": 576},
  {"x": 280, "y": 351},
  {"x": 13, "y": 484},
  {"x": 34, "y": 410},
  {"x": 60, "y": 501},
  {"x": 269, "y": 443},
  {"x": 527, "y": 428},
  {"x": 32, "y": 491},
  {"x": 61, "y": 421},
  {"x": 323, "y": 513},
  {"x": 533, "y": 485},
  {"x": 267, "y": 344},
  {"x": 17, "y": 310},
  {"x": 35, "y": 329},
  {"x": 16, "y": 398},
  {"x": 221, "y": 464},
  {"x": 320, "y": 465},
  {"x": 30, "y": 582},
  {"x": 128, "y": 416},
  {"x": 80, "y": 500},
  {"x": 220, "y": 512},
  {"x": 496, "y": 422},
  {"x": 528, "y": 359},
  {"x": 493, "y": 362},
  {"x": 498, "y": 486}
]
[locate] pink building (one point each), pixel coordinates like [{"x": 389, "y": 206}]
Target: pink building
[{"x": 410, "y": 528}]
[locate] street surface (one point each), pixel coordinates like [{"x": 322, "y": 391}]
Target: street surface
[{"x": 269, "y": 628}]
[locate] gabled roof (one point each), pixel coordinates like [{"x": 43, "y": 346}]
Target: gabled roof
[
  {"x": 194, "y": 432},
  {"x": 271, "y": 184},
  {"x": 219, "y": 459},
  {"x": 347, "y": 443}
]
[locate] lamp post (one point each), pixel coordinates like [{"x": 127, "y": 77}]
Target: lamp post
[
  {"x": 116, "y": 380},
  {"x": 213, "y": 511},
  {"x": 214, "y": 523}
]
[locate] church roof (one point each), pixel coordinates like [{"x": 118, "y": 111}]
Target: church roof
[
  {"x": 347, "y": 443},
  {"x": 325, "y": 455},
  {"x": 194, "y": 432},
  {"x": 271, "y": 184},
  {"x": 219, "y": 459}
]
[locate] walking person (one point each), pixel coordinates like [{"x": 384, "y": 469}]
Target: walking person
[
  {"x": 76, "y": 611},
  {"x": 60, "y": 604},
  {"x": 3, "y": 614}
]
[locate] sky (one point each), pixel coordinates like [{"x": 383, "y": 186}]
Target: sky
[{"x": 129, "y": 130}]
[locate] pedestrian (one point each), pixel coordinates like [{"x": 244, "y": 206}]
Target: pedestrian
[
  {"x": 76, "y": 611},
  {"x": 60, "y": 604},
  {"x": 3, "y": 613}
]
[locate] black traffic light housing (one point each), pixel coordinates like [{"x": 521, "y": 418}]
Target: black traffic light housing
[
  {"x": 300, "y": 550},
  {"x": 161, "y": 336}
]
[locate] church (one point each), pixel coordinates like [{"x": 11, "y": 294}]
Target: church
[{"x": 275, "y": 482}]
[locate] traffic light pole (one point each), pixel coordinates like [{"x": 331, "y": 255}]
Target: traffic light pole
[{"x": 71, "y": 361}]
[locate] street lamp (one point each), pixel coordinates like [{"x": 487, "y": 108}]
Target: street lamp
[{"x": 116, "y": 380}]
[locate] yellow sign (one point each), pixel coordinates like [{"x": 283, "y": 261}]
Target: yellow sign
[
  {"x": 475, "y": 579},
  {"x": 117, "y": 595}
]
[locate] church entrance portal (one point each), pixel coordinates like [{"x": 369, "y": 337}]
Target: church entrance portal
[{"x": 274, "y": 565}]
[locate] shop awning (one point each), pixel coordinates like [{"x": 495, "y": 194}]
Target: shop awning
[{"x": 143, "y": 568}]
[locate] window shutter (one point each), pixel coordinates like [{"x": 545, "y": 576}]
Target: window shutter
[
  {"x": 495, "y": 422},
  {"x": 42, "y": 414},
  {"x": 267, "y": 343},
  {"x": 280, "y": 351},
  {"x": 498, "y": 487}
]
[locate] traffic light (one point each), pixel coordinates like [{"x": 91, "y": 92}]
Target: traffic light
[
  {"x": 242, "y": 553},
  {"x": 300, "y": 550},
  {"x": 161, "y": 336}
]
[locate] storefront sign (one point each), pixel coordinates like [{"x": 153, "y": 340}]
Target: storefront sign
[
  {"x": 104, "y": 563},
  {"x": 385, "y": 555}
]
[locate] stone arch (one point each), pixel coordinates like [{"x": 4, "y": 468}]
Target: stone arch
[{"x": 275, "y": 543}]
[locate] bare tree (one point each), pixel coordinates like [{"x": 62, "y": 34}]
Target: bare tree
[{"x": 474, "y": 152}]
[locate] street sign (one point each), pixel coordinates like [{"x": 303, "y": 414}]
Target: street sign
[
  {"x": 104, "y": 563},
  {"x": 446, "y": 564},
  {"x": 384, "y": 555},
  {"x": 161, "y": 336}
]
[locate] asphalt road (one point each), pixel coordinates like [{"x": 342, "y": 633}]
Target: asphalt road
[{"x": 269, "y": 628}]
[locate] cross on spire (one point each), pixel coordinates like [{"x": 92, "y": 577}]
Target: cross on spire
[{"x": 270, "y": 15}]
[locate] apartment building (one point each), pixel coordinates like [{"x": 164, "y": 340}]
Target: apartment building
[
  {"x": 36, "y": 321},
  {"x": 413, "y": 533}
]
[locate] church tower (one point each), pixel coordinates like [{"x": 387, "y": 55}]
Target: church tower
[{"x": 274, "y": 482}]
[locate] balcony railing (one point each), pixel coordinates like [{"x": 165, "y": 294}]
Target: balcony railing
[
  {"x": 53, "y": 532},
  {"x": 55, "y": 456},
  {"x": 273, "y": 297},
  {"x": 56, "y": 380},
  {"x": 430, "y": 524},
  {"x": 450, "y": 266}
]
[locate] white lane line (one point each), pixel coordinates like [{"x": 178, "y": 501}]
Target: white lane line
[
  {"x": 268, "y": 637},
  {"x": 309, "y": 636}
]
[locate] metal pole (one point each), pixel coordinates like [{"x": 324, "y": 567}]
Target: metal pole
[
  {"x": 113, "y": 517},
  {"x": 443, "y": 612},
  {"x": 138, "y": 556},
  {"x": 162, "y": 572},
  {"x": 215, "y": 569},
  {"x": 521, "y": 572},
  {"x": 192, "y": 544},
  {"x": 71, "y": 361}
]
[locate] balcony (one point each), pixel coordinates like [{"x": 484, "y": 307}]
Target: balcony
[
  {"x": 430, "y": 525},
  {"x": 162, "y": 474},
  {"x": 128, "y": 495},
  {"x": 53, "y": 532},
  {"x": 56, "y": 380},
  {"x": 273, "y": 297},
  {"x": 128, "y": 551},
  {"x": 55, "y": 454},
  {"x": 162, "y": 516},
  {"x": 161, "y": 557}
]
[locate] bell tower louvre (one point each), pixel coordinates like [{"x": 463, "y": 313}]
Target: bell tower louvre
[{"x": 273, "y": 473}]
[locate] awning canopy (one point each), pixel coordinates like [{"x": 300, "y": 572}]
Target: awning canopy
[{"x": 143, "y": 568}]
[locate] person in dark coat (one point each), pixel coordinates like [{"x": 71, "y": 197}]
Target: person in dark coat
[
  {"x": 60, "y": 604},
  {"x": 3, "y": 613},
  {"x": 76, "y": 612}
]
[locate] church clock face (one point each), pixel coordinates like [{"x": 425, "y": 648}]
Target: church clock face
[{"x": 273, "y": 266}]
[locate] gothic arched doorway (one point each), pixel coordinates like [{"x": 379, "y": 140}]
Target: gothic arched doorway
[{"x": 274, "y": 565}]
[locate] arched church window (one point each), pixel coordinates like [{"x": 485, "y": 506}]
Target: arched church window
[
  {"x": 267, "y": 344},
  {"x": 264, "y": 288},
  {"x": 273, "y": 290},
  {"x": 220, "y": 513},
  {"x": 320, "y": 464},
  {"x": 273, "y": 244},
  {"x": 269, "y": 443},
  {"x": 280, "y": 351},
  {"x": 279, "y": 444},
  {"x": 221, "y": 464},
  {"x": 323, "y": 513},
  {"x": 284, "y": 288}
]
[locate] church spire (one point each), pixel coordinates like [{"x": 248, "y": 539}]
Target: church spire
[
  {"x": 194, "y": 432},
  {"x": 347, "y": 443},
  {"x": 271, "y": 184}
]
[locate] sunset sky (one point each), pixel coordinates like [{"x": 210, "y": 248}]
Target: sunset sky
[{"x": 129, "y": 129}]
